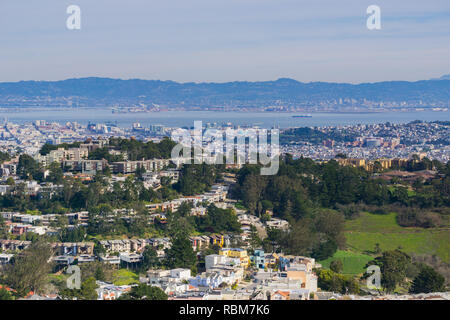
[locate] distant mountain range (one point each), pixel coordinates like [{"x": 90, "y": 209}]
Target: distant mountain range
[
  {"x": 444, "y": 77},
  {"x": 287, "y": 92}
]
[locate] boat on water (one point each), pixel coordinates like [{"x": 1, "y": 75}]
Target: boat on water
[{"x": 302, "y": 116}]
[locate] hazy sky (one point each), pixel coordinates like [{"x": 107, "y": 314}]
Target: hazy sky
[{"x": 225, "y": 40}]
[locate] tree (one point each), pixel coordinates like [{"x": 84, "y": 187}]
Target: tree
[
  {"x": 100, "y": 274},
  {"x": 180, "y": 254},
  {"x": 99, "y": 250},
  {"x": 56, "y": 174},
  {"x": 62, "y": 221},
  {"x": 428, "y": 280},
  {"x": 219, "y": 220},
  {"x": 300, "y": 240},
  {"x": 336, "y": 266},
  {"x": 5, "y": 295},
  {"x": 98, "y": 270},
  {"x": 149, "y": 259},
  {"x": 4, "y": 156},
  {"x": 179, "y": 225},
  {"x": 255, "y": 240},
  {"x": 196, "y": 178},
  {"x": 29, "y": 168},
  {"x": 10, "y": 181},
  {"x": 72, "y": 235},
  {"x": 86, "y": 292},
  {"x": 332, "y": 281},
  {"x": 184, "y": 209},
  {"x": 377, "y": 248},
  {"x": 88, "y": 289},
  {"x": 393, "y": 265},
  {"x": 144, "y": 292},
  {"x": 324, "y": 250},
  {"x": 3, "y": 229},
  {"x": 30, "y": 269}
]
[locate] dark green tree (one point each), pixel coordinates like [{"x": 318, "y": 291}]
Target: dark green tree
[
  {"x": 30, "y": 269},
  {"x": 5, "y": 295},
  {"x": 86, "y": 292},
  {"x": 144, "y": 292},
  {"x": 28, "y": 168},
  {"x": 428, "y": 280},
  {"x": 180, "y": 254},
  {"x": 149, "y": 259},
  {"x": 56, "y": 174},
  {"x": 393, "y": 265},
  {"x": 336, "y": 266}
]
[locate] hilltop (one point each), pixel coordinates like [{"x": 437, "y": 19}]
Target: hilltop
[{"x": 239, "y": 94}]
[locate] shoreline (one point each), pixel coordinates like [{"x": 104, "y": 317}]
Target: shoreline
[{"x": 18, "y": 109}]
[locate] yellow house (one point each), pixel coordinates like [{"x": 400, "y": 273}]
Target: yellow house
[
  {"x": 271, "y": 260},
  {"x": 351, "y": 162},
  {"x": 217, "y": 239},
  {"x": 236, "y": 253}
]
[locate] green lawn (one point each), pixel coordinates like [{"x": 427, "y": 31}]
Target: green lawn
[
  {"x": 364, "y": 232},
  {"x": 125, "y": 277},
  {"x": 353, "y": 262}
]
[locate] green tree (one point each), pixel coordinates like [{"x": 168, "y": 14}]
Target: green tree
[
  {"x": 10, "y": 181},
  {"x": 30, "y": 269},
  {"x": 393, "y": 265},
  {"x": 144, "y": 292},
  {"x": 4, "y": 157},
  {"x": 218, "y": 220},
  {"x": 300, "y": 240},
  {"x": 428, "y": 280},
  {"x": 179, "y": 225},
  {"x": 3, "y": 230},
  {"x": 98, "y": 270},
  {"x": 62, "y": 221},
  {"x": 336, "y": 266},
  {"x": 180, "y": 254},
  {"x": 149, "y": 259},
  {"x": 196, "y": 178},
  {"x": 255, "y": 240},
  {"x": 5, "y": 295},
  {"x": 88, "y": 289},
  {"x": 28, "y": 168},
  {"x": 332, "y": 281},
  {"x": 86, "y": 292},
  {"x": 324, "y": 250},
  {"x": 56, "y": 174},
  {"x": 99, "y": 250}
]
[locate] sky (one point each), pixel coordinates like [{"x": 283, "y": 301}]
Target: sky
[{"x": 225, "y": 40}]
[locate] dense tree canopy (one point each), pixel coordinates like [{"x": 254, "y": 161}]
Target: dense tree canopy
[
  {"x": 144, "y": 292},
  {"x": 393, "y": 265},
  {"x": 181, "y": 254},
  {"x": 30, "y": 268},
  {"x": 428, "y": 280},
  {"x": 218, "y": 220}
]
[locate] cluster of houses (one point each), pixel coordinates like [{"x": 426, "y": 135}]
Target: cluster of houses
[
  {"x": 76, "y": 159},
  {"x": 230, "y": 274},
  {"x": 248, "y": 221},
  {"x": 217, "y": 194},
  {"x": 392, "y": 168},
  {"x": 19, "y": 224},
  {"x": 233, "y": 274},
  {"x": 128, "y": 252},
  {"x": 76, "y": 163}
]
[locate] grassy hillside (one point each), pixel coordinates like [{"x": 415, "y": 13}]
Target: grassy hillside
[
  {"x": 353, "y": 262},
  {"x": 367, "y": 230},
  {"x": 125, "y": 277}
]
